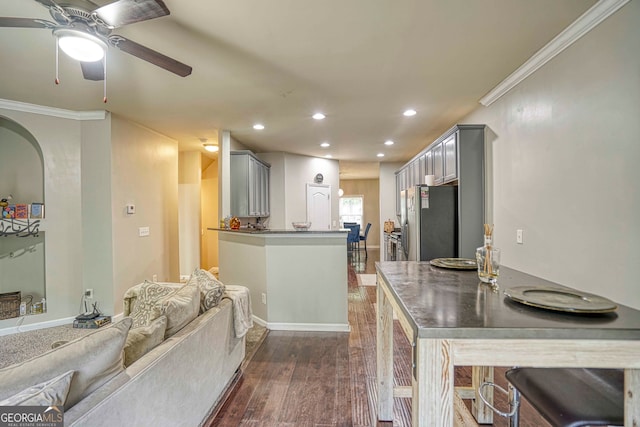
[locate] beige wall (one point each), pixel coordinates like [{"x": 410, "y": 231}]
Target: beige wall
[
  {"x": 290, "y": 173},
  {"x": 189, "y": 210},
  {"x": 144, "y": 172},
  {"x": 563, "y": 149},
  {"x": 370, "y": 189},
  {"x": 210, "y": 217}
]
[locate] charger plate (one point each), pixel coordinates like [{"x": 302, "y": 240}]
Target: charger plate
[
  {"x": 455, "y": 263},
  {"x": 566, "y": 300}
]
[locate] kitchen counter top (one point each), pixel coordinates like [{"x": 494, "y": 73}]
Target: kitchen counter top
[
  {"x": 456, "y": 304},
  {"x": 276, "y": 231}
]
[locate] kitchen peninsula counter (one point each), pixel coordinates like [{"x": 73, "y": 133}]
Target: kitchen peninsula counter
[
  {"x": 297, "y": 279},
  {"x": 451, "y": 318}
]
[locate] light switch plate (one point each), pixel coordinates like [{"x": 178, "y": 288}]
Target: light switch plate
[
  {"x": 519, "y": 237},
  {"x": 143, "y": 231}
]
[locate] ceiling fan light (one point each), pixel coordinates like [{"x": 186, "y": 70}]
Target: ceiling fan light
[{"x": 81, "y": 46}]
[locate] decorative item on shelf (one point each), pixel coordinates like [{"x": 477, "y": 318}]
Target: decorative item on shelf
[
  {"x": 389, "y": 226},
  {"x": 301, "y": 226},
  {"x": 36, "y": 211},
  {"x": 19, "y": 227},
  {"x": 10, "y": 305},
  {"x": 488, "y": 258},
  {"x": 234, "y": 223}
]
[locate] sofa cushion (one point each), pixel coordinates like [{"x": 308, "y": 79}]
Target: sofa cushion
[
  {"x": 95, "y": 358},
  {"x": 211, "y": 289},
  {"x": 49, "y": 393},
  {"x": 131, "y": 295},
  {"x": 148, "y": 303},
  {"x": 143, "y": 339},
  {"x": 181, "y": 307},
  {"x": 179, "y": 304}
]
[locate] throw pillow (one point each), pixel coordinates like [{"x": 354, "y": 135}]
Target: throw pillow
[
  {"x": 180, "y": 307},
  {"x": 95, "y": 358},
  {"x": 211, "y": 289},
  {"x": 147, "y": 306},
  {"x": 144, "y": 339},
  {"x": 179, "y": 304},
  {"x": 49, "y": 393}
]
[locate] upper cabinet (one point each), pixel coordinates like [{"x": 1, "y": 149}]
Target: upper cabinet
[
  {"x": 456, "y": 158},
  {"x": 249, "y": 185}
]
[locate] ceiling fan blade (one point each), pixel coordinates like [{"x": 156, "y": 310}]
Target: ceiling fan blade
[
  {"x": 124, "y": 12},
  {"x": 93, "y": 70},
  {"x": 150, "y": 55},
  {"x": 25, "y": 23},
  {"x": 47, "y": 3}
]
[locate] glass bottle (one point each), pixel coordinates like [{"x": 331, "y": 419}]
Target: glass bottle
[{"x": 488, "y": 258}]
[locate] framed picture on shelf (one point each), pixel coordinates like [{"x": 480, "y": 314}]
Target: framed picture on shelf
[
  {"x": 22, "y": 211},
  {"x": 9, "y": 212},
  {"x": 36, "y": 211}
]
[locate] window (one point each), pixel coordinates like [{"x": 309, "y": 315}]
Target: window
[{"x": 351, "y": 209}]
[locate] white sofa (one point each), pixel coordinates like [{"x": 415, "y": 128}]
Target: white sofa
[{"x": 177, "y": 383}]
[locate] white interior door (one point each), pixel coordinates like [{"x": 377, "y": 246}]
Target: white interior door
[{"x": 319, "y": 206}]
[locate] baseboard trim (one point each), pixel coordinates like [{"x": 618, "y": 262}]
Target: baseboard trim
[
  {"x": 309, "y": 327},
  {"x": 34, "y": 326}
]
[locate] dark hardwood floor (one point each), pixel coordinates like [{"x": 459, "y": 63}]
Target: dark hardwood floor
[{"x": 329, "y": 379}]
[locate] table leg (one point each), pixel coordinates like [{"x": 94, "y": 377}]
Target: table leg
[
  {"x": 632, "y": 397},
  {"x": 384, "y": 356},
  {"x": 481, "y": 412},
  {"x": 433, "y": 391}
]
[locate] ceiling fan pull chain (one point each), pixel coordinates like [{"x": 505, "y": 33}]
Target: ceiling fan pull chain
[
  {"x": 105, "y": 79},
  {"x": 57, "y": 49}
]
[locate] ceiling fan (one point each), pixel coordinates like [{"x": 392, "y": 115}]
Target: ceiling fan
[{"x": 83, "y": 30}]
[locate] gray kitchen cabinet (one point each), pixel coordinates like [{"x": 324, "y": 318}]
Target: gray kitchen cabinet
[
  {"x": 438, "y": 167},
  {"x": 428, "y": 163},
  {"x": 249, "y": 185},
  {"x": 455, "y": 158},
  {"x": 450, "y": 154}
]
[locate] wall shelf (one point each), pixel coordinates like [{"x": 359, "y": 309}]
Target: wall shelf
[{"x": 19, "y": 227}]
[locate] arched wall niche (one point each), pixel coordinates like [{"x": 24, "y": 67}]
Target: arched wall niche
[{"x": 22, "y": 259}]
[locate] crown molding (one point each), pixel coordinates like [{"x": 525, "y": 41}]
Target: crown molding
[
  {"x": 581, "y": 26},
  {"x": 51, "y": 111}
]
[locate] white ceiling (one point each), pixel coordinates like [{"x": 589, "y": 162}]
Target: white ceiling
[{"x": 361, "y": 62}]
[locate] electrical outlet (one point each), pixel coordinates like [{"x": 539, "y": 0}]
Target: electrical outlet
[
  {"x": 88, "y": 293},
  {"x": 264, "y": 298},
  {"x": 154, "y": 278},
  {"x": 519, "y": 237}
]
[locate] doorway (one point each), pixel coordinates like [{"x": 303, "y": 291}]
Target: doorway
[{"x": 319, "y": 206}]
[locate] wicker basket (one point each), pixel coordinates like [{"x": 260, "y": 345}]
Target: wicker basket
[{"x": 10, "y": 305}]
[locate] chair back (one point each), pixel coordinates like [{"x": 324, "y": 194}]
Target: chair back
[
  {"x": 354, "y": 234},
  {"x": 366, "y": 230}
]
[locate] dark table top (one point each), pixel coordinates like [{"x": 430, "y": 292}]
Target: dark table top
[{"x": 444, "y": 303}]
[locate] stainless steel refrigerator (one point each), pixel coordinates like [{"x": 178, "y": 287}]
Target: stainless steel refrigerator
[{"x": 429, "y": 221}]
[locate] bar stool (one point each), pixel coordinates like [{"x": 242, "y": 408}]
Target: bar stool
[{"x": 568, "y": 397}]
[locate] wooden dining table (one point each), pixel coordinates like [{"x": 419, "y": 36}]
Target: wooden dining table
[{"x": 453, "y": 319}]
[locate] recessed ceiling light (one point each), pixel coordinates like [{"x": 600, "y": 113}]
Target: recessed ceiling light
[
  {"x": 318, "y": 116},
  {"x": 380, "y": 154},
  {"x": 210, "y": 147},
  {"x": 389, "y": 142},
  {"x": 325, "y": 145},
  {"x": 258, "y": 126},
  {"x": 409, "y": 112},
  {"x": 328, "y": 156}
]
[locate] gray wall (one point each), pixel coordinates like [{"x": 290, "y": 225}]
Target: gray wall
[{"x": 564, "y": 152}]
